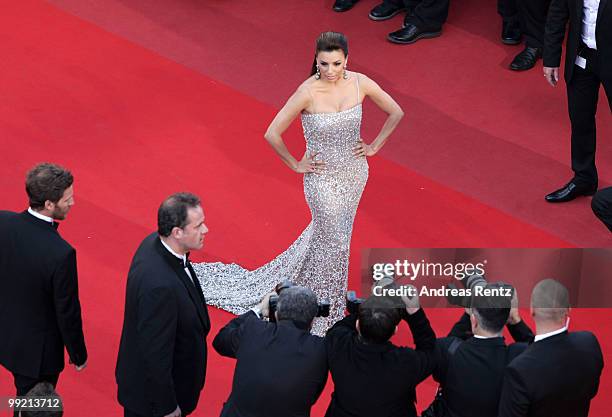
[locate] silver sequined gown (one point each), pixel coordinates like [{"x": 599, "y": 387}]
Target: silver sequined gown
[{"x": 318, "y": 259}]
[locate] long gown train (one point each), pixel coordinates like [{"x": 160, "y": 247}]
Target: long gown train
[{"x": 318, "y": 259}]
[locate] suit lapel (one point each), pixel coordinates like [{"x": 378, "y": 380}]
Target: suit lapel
[
  {"x": 602, "y": 6},
  {"x": 194, "y": 293},
  {"x": 198, "y": 291},
  {"x": 579, "y": 12}
]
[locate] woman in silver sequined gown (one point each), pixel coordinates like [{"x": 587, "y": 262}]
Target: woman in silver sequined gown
[{"x": 335, "y": 172}]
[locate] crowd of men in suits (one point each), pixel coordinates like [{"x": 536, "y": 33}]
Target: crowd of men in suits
[
  {"x": 281, "y": 368},
  {"x": 542, "y": 23}
]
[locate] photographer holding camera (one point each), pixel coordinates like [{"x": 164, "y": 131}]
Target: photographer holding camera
[
  {"x": 475, "y": 351},
  {"x": 281, "y": 368},
  {"x": 372, "y": 376}
]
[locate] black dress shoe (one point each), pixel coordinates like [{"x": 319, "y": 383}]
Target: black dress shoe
[
  {"x": 410, "y": 34},
  {"x": 526, "y": 59},
  {"x": 344, "y": 5},
  {"x": 569, "y": 192},
  {"x": 511, "y": 33},
  {"x": 385, "y": 11}
]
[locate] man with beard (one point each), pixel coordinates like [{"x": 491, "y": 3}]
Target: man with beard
[{"x": 40, "y": 311}]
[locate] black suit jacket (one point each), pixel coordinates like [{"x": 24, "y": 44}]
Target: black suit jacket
[
  {"x": 557, "y": 376},
  {"x": 162, "y": 354},
  {"x": 40, "y": 311},
  {"x": 280, "y": 369},
  {"x": 472, "y": 376},
  {"x": 558, "y": 15},
  {"x": 377, "y": 380}
]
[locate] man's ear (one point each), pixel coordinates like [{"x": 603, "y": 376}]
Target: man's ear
[
  {"x": 473, "y": 321},
  {"x": 49, "y": 205},
  {"x": 176, "y": 232}
]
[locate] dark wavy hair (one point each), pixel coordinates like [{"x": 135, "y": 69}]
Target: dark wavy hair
[
  {"x": 328, "y": 42},
  {"x": 47, "y": 181}
]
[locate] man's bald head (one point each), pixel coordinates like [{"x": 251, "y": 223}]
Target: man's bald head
[{"x": 550, "y": 301}]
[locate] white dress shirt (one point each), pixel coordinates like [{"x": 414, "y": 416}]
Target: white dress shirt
[
  {"x": 477, "y": 336},
  {"x": 40, "y": 216},
  {"x": 549, "y": 334},
  {"x": 589, "y": 20},
  {"x": 181, "y": 257}
]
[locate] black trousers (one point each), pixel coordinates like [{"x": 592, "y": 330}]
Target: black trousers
[
  {"x": 602, "y": 206},
  {"x": 509, "y": 11},
  {"x": 532, "y": 16},
  {"x": 25, "y": 383},
  {"x": 582, "y": 97},
  {"x": 425, "y": 14}
]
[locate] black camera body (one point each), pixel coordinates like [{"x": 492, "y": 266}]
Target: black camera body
[
  {"x": 470, "y": 283},
  {"x": 353, "y": 302},
  {"x": 323, "y": 305}
]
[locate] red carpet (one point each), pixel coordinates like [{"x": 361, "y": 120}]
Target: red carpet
[{"x": 141, "y": 99}]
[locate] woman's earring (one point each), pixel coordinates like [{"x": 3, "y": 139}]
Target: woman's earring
[
  {"x": 318, "y": 73},
  {"x": 345, "y": 74}
]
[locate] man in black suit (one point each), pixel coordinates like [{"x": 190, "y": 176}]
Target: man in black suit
[
  {"x": 372, "y": 376},
  {"x": 281, "y": 368},
  {"x": 602, "y": 206},
  {"x": 559, "y": 373},
  {"x": 40, "y": 312},
  {"x": 588, "y": 64},
  {"x": 161, "y": 364},
  {"x": 470, "y": 362}
]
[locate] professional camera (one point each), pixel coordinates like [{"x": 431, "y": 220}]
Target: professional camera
[
  {"x": 387, "y": 281},
  {"x": 323, "y": 305},
  {"x": 470, "y": 283},
  {"x": 353, "y": 302}
]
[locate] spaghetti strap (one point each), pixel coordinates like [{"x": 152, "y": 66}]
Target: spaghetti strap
[
  {"x": 311, "y": 99},
  {"x": 358, "y": 95}
]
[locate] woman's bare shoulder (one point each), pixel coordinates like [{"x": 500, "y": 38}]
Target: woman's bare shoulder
[
  {"x": 365, "y": 82},
  {"x": 308, "y": 82}
]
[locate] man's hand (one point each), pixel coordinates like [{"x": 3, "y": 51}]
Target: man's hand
[
  {"x": 515, "y": 316},
  {"x": 551, "y": 75},
  {"x": 79, "y": 368},
  {"x": 264, "y": 305},
  {"x": 412, "y": 303},
  {"x": 175, "y": 413}
]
